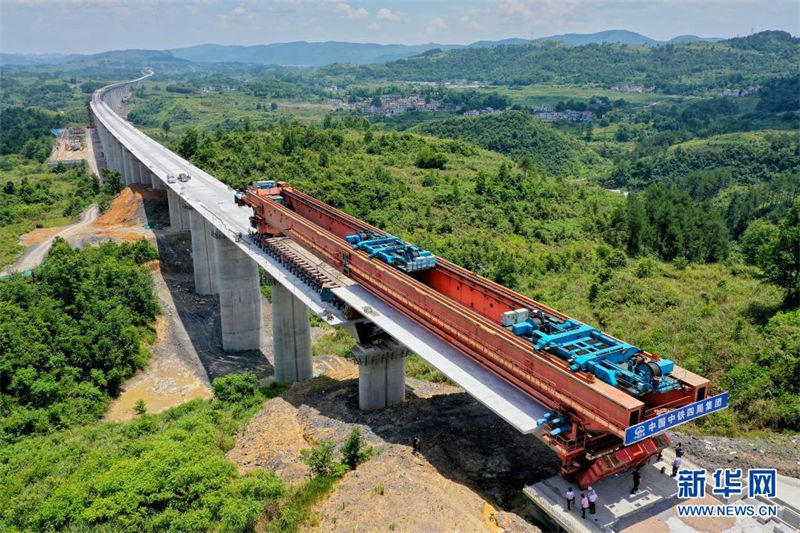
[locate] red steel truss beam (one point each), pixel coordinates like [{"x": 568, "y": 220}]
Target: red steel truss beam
[{"x": 598, "y": 406}]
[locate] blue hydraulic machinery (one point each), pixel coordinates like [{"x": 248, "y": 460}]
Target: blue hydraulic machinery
[
  {"x": 590, "y": 350},
  {"x": 393, "y": 250}
]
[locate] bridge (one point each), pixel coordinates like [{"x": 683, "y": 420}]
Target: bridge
[{"x": 601, "y": 404}]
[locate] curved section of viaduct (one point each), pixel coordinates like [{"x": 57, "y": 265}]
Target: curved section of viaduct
[
  {"x": 221, "y": 267},
  {"x": 225, "y": 264}
]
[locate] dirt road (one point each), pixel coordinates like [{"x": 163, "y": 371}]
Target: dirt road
[{"x": 34, "y": 256}]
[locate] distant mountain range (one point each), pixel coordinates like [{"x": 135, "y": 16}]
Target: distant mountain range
[
  {"x": 621, "y": 37},
  {"x": 315, "y": 54},
  {"x": 301, "y": 53}
]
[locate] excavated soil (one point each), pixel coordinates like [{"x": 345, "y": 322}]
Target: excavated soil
[
  {"x": 468, "y": 476},
  {"x": 137, "y": 204}
]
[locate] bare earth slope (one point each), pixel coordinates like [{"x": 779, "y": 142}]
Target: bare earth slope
[{"x": 468, "y": 476}]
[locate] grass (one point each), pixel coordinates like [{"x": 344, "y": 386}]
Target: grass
[
  {"x": 417, "y": 368},
  {"x": 218, "y": 110},
  {"x": 335, "y": 341},
  {"x": 300, "y": 501}
]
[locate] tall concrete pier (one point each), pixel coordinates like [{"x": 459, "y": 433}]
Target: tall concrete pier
[
  {"x": 239, "y": 296},
  {"x": 205, "y": 264},
  {"x": 381, "y": 373},
  {"x": 127, "y": 162},
  {"x": 291, "y": 336},
  {"x": 178, "y": 220}
]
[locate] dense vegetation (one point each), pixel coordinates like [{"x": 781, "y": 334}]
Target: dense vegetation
[
  {"x": 781, "y": 94},
  {"x": 519, "y": 134},
  {"x": 666, "y": 222},
  {"x": 673, "y": 68},
  {"x": 70, "y": 334},
  {"x": 164, "y": 472},
  {"x": 746, "y": 176},
  {"x": 23, "y": 131},
  {"x": 34, "y": 196}
]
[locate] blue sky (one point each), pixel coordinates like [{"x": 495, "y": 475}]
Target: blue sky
[{"x": 40, "y": 26}]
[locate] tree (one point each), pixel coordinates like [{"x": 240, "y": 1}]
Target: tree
[
  {"x": 527, "y": 165},
  {"x": 756, "y": 241},
  {"x": 189, "y": 143},
  {"x": 320, "y": 458},
  {"x": 782, "y": 259},
  {"x": 427, "y": 158},
  {"x": 355, "y": 450},
  {"x": 235, "y": 387},
  {"x": 636, "y": 221},
  {"x": 112, "y": 182},
  {"x": 140, "y": 407},
  {"x": 95, "y": 181},
  {"x": 165, "y": 126},
  {"x": 273, "y": 106}
]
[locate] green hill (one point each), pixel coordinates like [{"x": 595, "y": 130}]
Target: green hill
[
  {"x": 672, "y": 68},
  {"x": 518, "y": 134}
]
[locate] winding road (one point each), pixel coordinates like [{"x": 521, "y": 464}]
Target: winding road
[{"x": 34, "y": 255}]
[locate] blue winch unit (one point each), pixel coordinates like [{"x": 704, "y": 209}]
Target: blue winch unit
[
  {"x": 590, "y": 350},
  {"x": 393, "y": 250}
]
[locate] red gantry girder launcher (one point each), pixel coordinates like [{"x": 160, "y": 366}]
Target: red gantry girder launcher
[{"x": 609, "y": 401}]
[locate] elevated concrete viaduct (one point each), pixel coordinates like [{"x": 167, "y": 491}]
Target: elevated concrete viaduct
[{"x": 226, "y": 264}]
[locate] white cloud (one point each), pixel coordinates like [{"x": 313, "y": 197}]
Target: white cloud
[
  {"x": 436, "y": 25},
  {"x": 387, "y": 14},
  {"x": 374, "y": 27},
  {"x": 351, "y": 12},
  {"x": 236, "y": 16},
  {"x": 469, "y": 22}
]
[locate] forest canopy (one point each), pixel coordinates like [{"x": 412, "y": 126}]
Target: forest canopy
[{"x": 71, "y": 333}]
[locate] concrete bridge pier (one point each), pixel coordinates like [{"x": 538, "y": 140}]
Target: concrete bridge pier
[
  {"x": 205, "y": 265},
  {"x": 138, "y": 177},
  {"x": 239, "y": 296},
  {"x": 177, "y": 218},
  {"x": 144, "y": 173},
  {"x": 120, "y": 160},
  {"x": 127, "y": 162},
  {"x": 103, "y": 136},
  {"x": 381, "y": 373},
  {"x": 291, "y": 336},
  {"x": 155, "y": 181},
  {"x": 113, "y": 150}
]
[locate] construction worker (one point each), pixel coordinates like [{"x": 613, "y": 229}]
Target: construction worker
[
  {"x": 570, "y": 498},
  {"x": 415, "y": 444},
  {"x": 679, "y": 450},
  {"x": 676, "y": 465},
  {"x": 637, "y": 477},
  {"x": 584, "y": 505},
  {"x": 592, "y": 501}
]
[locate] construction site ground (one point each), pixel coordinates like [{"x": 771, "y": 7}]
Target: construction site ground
[{"x": 89, "y": 150}]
